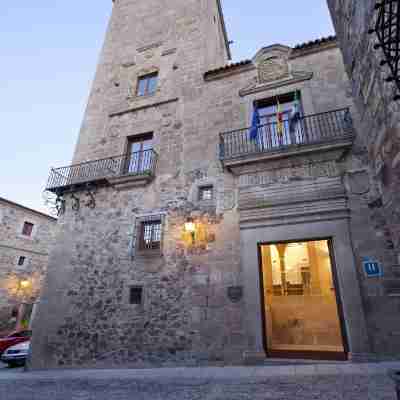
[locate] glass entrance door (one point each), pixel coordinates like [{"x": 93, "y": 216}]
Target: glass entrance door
[{"x": 300, "y": 306}]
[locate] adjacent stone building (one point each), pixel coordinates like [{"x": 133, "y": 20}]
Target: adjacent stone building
[
  {"x": 375, "y": 85},
  {"x": 214, "y": 212},
  {"x": 26, "y": 236}
]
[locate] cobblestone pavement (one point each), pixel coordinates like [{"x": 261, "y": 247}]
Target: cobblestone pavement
[{"x": 327, "y": 382}]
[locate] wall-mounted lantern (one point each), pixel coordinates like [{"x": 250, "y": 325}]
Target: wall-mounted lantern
[
  {"x": 190, "y": 228},
  {"x": 195, "y": 233},
  {"x": 24, "y": 284}
]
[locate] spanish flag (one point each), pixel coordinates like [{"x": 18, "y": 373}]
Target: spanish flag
[{"x": 279, "y": 119}]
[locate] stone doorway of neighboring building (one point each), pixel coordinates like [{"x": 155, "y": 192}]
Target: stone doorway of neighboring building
[{"x": 302, "y": 316}]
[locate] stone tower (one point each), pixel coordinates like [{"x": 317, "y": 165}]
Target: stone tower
[
  {"x": 178, "y": 39},
  {"x": 85, "y": 314}
]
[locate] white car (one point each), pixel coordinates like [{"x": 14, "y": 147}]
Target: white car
[{"x": 16, "y": 355}]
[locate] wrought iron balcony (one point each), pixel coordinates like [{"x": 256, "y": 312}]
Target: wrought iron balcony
[
  {"x": 311, "y": 130},
  {"x": 140, "y": 166}
]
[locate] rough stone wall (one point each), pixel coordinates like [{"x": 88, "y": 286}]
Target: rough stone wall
[
  {"x": 380, "y": 135},
  {"x": 14, "y": 245},
  {"x": 374, "y": 100}
]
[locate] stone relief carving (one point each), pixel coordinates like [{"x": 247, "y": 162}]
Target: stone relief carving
[
  {"x": 272, "y": 69},
  {"x": 358, "y": 182},
  {"x": 290, "y": 174}
]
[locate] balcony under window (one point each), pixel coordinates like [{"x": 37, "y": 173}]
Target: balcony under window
[
  {"x": 131, "y": 169},
  {"x": 271, "y": 140}
]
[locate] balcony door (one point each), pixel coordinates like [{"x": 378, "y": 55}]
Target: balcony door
[
  {"x": 139, "y": 155},
  {"x": 270, "y": 135},
  {"x": 301, "y": 313}
]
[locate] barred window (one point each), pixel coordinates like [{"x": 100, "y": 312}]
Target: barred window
[
  {"x": 136, "y": 295},
  {"x": 206, "y": 193},
  {"x": 150, "y": 235}
]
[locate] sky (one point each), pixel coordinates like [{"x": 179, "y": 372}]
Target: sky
[{"x": 48, "y": 56}]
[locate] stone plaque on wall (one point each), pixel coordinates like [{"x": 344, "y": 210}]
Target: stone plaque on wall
[{"x": 235, "y": 293}]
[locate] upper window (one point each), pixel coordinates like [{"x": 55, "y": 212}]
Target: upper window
[
  {"x": 27, "y": 229},
  {"x": 147, "y": 84},
  {"x": 206, "y": 193},
  {"x": 150, "y": 235}
]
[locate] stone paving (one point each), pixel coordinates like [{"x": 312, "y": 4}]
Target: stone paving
[{"x": 300, "y": 382}]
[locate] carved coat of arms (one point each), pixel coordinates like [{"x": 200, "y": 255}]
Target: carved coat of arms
[{"x": 272, "y": 69}]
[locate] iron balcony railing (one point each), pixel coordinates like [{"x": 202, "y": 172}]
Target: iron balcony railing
[
  {"x": 306, "y": 130},
  {"x": 138, "y": 163}
]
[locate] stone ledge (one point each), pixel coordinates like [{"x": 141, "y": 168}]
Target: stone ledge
[
  {"x": 130, "y": 181},
  {"x": 293, "y": 151},
  {"x": 142, "y": 106},
  {"x": 286, "y": 368}
]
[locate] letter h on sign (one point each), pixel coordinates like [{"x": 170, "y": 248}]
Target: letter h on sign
[{"x": 372, "y": 268}]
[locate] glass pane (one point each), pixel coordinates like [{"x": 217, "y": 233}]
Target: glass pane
[
  {"x": 133, "y": 162},
  {"x": 300, "y": 302},
  {"x": 147, "y": 144},
  {"x": 152, "y": 84},
  {"x": 141, "y": 90}
]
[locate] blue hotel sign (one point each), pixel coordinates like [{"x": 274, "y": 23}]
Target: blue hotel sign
[{"x": 372, "y": 268}]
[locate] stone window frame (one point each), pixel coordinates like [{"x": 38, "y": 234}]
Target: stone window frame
[
  {"x": 131, "y": 283},
  {"x": 143, "y": 75},
  {"x": 194, "y": 195},
  {"x": 203, "y": 189},
  {"x": 25, "y": 264},
  {"x": 139, "y": 223}
]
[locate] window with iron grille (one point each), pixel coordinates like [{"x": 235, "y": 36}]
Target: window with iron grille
[
  {"x": 147, "y": 84},
  {"x": 136, "y": 295},
  {"x": 27, "y": 229},
  {"x": 150, "y": 235},
  {"x": 206, "y": 193}
]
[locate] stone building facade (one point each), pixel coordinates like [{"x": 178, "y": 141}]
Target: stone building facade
[
  {"x": 211, "y": 205},
  {"x": 26, "y": 236}
]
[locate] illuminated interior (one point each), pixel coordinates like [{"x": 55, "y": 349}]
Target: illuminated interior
[{"x": 301, "y": 312}]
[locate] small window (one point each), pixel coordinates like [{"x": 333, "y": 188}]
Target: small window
[
  {"x": 206, "y": 193},
  {"x": 27, "y": 229},
  {"x": 150, "y": 235},
  {"x": 136, "y": 295},
  {"x": 147, "y": 84},
  {"x": 21, "y": 260}
]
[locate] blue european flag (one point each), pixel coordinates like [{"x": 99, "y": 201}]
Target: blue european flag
[{"x": 255, "y": 123}]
